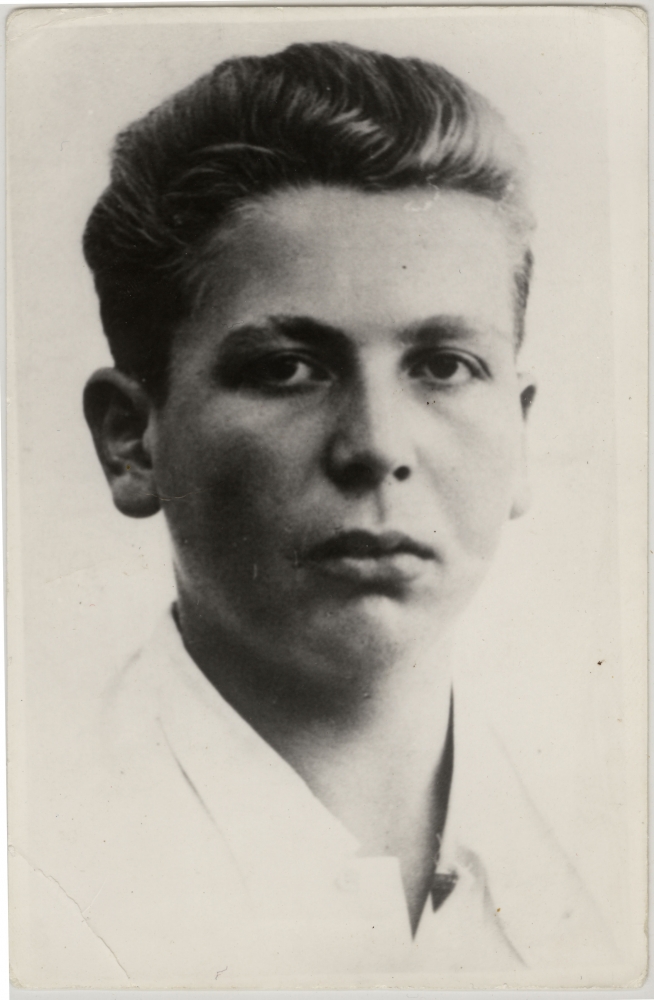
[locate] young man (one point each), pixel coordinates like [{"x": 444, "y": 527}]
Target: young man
[{"x": 313, "y": 270}]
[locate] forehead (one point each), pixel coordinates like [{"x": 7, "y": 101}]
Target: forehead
[{"x": 364, "y": 261}]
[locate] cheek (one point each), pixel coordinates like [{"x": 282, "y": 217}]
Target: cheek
[
  {"x": 239, "y": 472},
  {"x": 484, "y": 471}
]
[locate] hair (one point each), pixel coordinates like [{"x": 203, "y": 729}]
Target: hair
[{"x": 329, "y": 114}]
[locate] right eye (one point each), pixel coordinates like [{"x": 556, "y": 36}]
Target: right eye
[{"x": 283, "y": 370}]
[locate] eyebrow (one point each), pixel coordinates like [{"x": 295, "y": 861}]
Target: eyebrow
[
  {"x": 304, "y": 329},
  {"x": 328, "y": 339},
  {"x": 435, "y": 329}
]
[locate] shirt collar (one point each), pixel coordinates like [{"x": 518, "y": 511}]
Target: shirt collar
[
  {"x": 257, "y": 799},
  {"x": 493, "y": 838}
]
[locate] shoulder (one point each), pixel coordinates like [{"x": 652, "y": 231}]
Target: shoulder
[
  {"x": 136, "y": 876},
  {"x": 537, "y": 894}
]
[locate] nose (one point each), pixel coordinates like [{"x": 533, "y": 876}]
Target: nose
[{"x": 371, "y": 442}]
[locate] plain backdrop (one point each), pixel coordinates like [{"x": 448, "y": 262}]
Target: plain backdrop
[{"x": 556, "y": 637}]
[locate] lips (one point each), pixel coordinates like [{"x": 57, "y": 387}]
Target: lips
[
  {"x": 367, "y": 545},
  {"x": 378, "y": 562}
]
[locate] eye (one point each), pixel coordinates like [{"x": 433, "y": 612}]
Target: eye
[
  {"x": 445, "y": 368},
  {"x": 285, "y": 370}
]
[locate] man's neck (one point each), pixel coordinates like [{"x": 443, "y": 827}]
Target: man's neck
[
  {"x": 377, "y": 755},
  {"x": 388, "y": 780}
]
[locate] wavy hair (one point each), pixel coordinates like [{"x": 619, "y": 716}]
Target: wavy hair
[{"x": 327, "y": 114}]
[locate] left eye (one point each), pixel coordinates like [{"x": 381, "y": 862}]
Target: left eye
[{"x": 444, "y": 368}]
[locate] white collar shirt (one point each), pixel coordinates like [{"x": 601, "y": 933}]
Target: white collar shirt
[{"x": 211, "y": 863}]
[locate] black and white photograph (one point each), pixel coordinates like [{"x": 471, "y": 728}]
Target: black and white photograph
[{"x": 326, "y": 497}]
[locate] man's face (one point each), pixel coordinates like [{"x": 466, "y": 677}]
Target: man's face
[{"x": 341, "y": 442}]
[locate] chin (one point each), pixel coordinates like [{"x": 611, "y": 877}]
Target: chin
[{"x": 370, "y": 634}]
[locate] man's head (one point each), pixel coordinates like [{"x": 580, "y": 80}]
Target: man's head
[
  {"x": 313, "y": 271},
  {"x": 326, "y": 114}
]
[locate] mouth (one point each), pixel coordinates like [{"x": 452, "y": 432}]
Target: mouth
[
  {"x": 366, "y": 545},
  {"x": 387, "y": 559}
]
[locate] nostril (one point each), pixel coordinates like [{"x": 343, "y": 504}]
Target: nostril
[
  {"x": 358, "y": 476},
  {"x": 362, "y": 475}
]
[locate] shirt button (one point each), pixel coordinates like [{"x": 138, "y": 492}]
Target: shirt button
[{"x": 348, "y": 880}]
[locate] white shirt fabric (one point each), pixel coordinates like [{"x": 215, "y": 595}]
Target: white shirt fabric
[{"x": 198, "y": 858}]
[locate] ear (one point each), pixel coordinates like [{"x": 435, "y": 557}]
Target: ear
[
  {"x": 522, "y": 496},
  {"x": 119, "y": 412}
]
